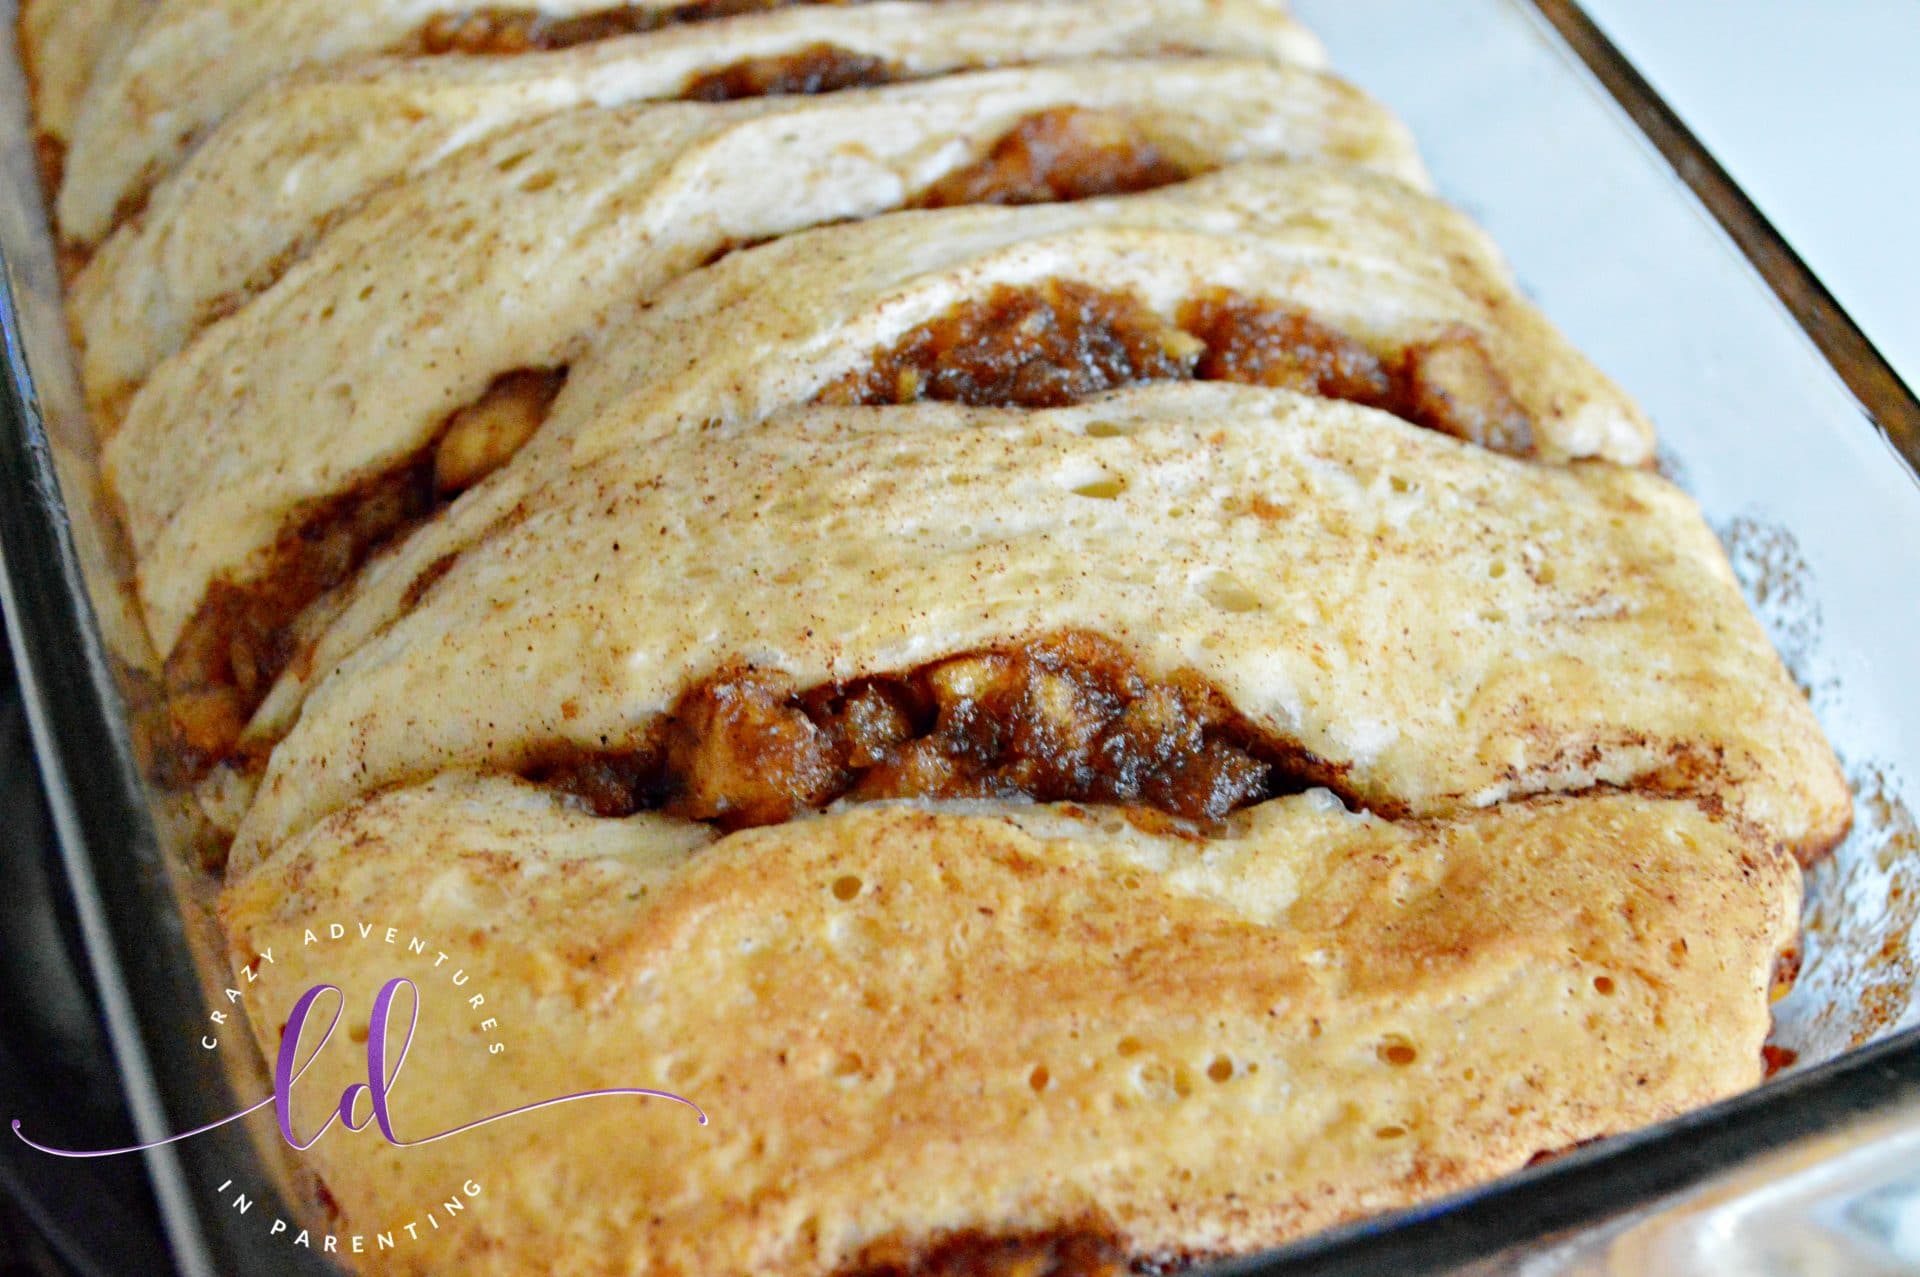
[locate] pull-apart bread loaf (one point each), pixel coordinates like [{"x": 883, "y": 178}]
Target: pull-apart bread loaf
[{"x": 993, "y": 592}]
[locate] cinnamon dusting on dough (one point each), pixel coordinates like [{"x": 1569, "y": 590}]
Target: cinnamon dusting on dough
[
  {"x": 243, "y": 635},
  {"x": 495, "y": 31}
]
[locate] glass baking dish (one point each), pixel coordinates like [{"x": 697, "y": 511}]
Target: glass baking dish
[{"x": 1798, "y": 441}]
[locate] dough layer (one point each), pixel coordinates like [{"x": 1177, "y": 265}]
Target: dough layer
[
  {"x": 1443, "y": 625},
  {"x": 993, "y": 591},
  {"x": 215, "y": 458},
  {"x": 334, "y": 134},
  {"x": 908, "y": 1023}
]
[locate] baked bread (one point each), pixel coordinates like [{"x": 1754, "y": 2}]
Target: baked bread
[
  {"x": 1087, "y": 737},
  {"x": 340, "y": 133},
  {"x": 1415, "y": 622},
  {"x": 61, "y": 42},
  {"x": 1001, "y": 1039},
  {"x": 202, "y": 58},
  {"x": 1386, "y": 278}
]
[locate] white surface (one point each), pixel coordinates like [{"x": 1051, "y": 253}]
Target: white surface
[{"x": 1814, "y": 108}]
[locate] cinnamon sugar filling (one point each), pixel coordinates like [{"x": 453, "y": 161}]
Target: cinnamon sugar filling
[
  {"x": 243, "y": 636},
  {"x": 1053, "y": 344},
  {"x": 1065, "y": 718},
  {"x": 501, "y": 31}
]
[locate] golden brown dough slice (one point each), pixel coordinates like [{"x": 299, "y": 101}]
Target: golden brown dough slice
[
  {"x": 194, "y": 61},
  {"x": 1419, "y": 623},
  {"x": 320, "y": 142},
  {"x": 508, "y": 256},
  {"x": 927, "y": 1029}
]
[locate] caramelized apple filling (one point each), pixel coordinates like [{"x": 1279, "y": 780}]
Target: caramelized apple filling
[
  {"x": 1067, "y": 718},
  {"x": 483, "y": 436},
  {"x": 503, "y": 30},
  {"x": 818, "y": 68},
  {"x": 1450, "y": 385},
  {"x": 1067, "y": 153},
  {"x": 242, "y": 636},
  {"x": 1058, "y": 342}
]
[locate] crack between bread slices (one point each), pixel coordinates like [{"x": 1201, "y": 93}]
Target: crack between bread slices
[
  {"x": 1058, "y": 342},
  {"x": 503, "y": 31},
  {"x": 244, "y": 636}
]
